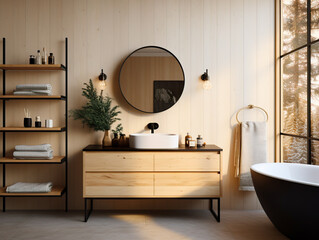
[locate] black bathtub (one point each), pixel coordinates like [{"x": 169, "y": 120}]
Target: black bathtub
[{"x": 289, "y": 194}]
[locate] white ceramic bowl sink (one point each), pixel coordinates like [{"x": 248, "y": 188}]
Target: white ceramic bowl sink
[{"x": 153, "y": 141}]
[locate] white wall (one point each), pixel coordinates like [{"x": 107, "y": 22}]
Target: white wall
[{"x": 233, "y": 39}]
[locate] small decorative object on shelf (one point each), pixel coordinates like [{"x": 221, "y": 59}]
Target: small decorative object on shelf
[
  {"x": 38, "y": 58},
  {"x": 44, "y": 57},
  {"x": 49, "y": 123},
  {"x": 51, "y": 59},
  {"x": 37, "y": 121},
  {"x": 32, "y": 59},
  {"x": 97, "y": 113},
  {"x": 27, "y": 118}
]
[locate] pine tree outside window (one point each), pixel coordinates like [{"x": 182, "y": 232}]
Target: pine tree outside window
[{"x": 299, "y": 80}]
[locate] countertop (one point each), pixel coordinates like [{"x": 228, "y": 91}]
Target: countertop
[{"x": 182, "y": 148}]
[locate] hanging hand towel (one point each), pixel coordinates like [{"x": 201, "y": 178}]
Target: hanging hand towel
[{"x": 253, "y": 150}]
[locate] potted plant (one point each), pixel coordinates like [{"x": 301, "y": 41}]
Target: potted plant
[{"x": 97, "y": 113}]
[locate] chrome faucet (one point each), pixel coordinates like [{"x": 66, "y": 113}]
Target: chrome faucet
[{"x": 152, "y": 126}]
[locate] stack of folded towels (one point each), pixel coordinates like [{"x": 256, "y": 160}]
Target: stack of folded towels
[
  {"x": 22, "y": 187},
  {"x": 33, "y": 89},
  {"x": 42, "y": 151}
]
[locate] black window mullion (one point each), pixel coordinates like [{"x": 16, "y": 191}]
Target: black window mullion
[{"x": 309, "y": 81}]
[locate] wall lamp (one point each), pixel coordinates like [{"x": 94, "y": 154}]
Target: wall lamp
[
  {"x": 207, "y": 84},
  {"x": 102, "y": 79}
]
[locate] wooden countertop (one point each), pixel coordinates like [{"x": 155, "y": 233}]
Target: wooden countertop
[{"x": 182, "y": 148}]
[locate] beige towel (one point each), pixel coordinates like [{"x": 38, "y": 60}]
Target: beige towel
[{"x": 250, "y": 148}]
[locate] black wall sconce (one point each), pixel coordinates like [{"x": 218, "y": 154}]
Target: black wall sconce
[
  {"x": 102, "y": 79},
  {"x": 207, "y": 84}
]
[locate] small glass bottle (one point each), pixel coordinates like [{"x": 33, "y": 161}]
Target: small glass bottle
[
  {"x": 115, "y": 140},
  {"x": 200, "y": 141},
  {"x": 38, "y": 58},
  {"x": 51, "y": 59},
  {"x": 122, "y": 141},
  {"x": 44, "y": 56},
  {"x": 187, "y": 138}
]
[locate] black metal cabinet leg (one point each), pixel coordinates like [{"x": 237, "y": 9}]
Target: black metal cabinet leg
[
  {"x": 87, "y": 213},
  {"x": 211, "y": 208}
]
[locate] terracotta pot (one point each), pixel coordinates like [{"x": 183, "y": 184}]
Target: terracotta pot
[{"x": 107, "y": 142}]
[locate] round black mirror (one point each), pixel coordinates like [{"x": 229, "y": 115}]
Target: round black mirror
[{"x": 151, "y": 79}]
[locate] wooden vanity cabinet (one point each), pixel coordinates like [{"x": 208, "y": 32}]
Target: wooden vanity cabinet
[{"x": 171, "y": 173}]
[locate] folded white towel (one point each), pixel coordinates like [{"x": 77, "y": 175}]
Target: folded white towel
[
  {"x": 23, "y": 87},
  {"x": 41, "y": 147},
  {"x": 253, "y": 150},
  {"x": 29, "y": 187},
  {"x": 33, "y": 154},
  {"x": 33, "y": 92}
]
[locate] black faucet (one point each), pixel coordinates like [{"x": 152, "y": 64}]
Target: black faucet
[{"x": 152, "y": 126}]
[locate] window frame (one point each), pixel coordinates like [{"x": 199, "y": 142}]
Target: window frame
[{"x": 278, "y": 78}]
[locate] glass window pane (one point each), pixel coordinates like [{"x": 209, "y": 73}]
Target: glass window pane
[
  {"x": 315, "y": 152},
  {"x": 314, "y": 20},
  {"x": 294, "y": 24},
  {"x": 294, "y": 150},
  {"x": 294, "y": 93},
  {"x": 315, "y": 90}
]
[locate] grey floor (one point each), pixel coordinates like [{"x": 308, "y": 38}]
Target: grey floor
[{"x": 164, "y": 225}]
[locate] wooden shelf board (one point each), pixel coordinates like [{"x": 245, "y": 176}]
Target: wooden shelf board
[
  {"x": 31, "y": 129},
  {"x": 56, "y": 159},
  {"x": 30, "y": 97},
  {"x": 55, "y": 192},
  {"x": 32, "y": 67}
]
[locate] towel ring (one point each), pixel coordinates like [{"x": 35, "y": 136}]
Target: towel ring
[{"x": 250, "y": 106}]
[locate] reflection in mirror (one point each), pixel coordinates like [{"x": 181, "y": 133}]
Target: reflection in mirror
[{"x": 151, "y": 79}]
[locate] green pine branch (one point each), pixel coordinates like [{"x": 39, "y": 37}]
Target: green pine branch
[{"x": 97, "y": 113}]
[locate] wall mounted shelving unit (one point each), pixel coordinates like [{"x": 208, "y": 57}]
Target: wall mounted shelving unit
[{"x": 57, "y": 191}]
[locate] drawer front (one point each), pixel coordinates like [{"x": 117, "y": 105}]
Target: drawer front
[
  {"x": 188, "y": 161},
  {"x": 117, "y": 161},
  {"x": 187, "y": 184},
  {"x": 118, "y": 184}
]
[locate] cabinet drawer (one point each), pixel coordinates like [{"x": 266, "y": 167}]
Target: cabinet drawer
[
  {"x": 117, "y": 161},
  {"x": 187, "y": 184},
  {"x": 118, "y": 184},
  {"x": 197, "y": 161}
]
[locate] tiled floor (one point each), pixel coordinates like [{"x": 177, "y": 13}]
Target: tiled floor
[{"x": 164, "y": 225}]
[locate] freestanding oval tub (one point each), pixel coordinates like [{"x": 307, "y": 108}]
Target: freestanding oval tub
[{"x": 289, "y": 194}]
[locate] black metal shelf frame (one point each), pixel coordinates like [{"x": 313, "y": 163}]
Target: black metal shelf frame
[{"x": 64, "y": 129}]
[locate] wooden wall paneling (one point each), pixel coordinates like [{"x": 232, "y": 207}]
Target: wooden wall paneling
[
  {"x": 237, "y": 89},
  {"x": 185, "y": 59},
  {"x": 223, "y": 95},
  {"x": 228, "y": 39}
]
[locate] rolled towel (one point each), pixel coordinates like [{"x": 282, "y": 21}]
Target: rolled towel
[
  {"x": 33, "y": 92},
  {"x": 41, "y": 147},
  {"x": 28, "y": 87},
  {"x": 33, "y": 154},
  {"x": 21, "y": 187}
]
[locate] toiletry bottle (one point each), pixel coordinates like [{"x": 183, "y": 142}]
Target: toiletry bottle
[
  {"x": 44, "y": 56},
  {"x": 192, "y": 143},
  {"x": 122, "y": 141},
  {"x": 115, "y": 140},
  {"x": 187, "y": 138},
  {"x": 51, "y": 59},
  {"x": 200, "y": 141},
  {"x": 32, "y": 59},
  {"x": 37, "y": 121},
  {"x": 38, "y": 58}
]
